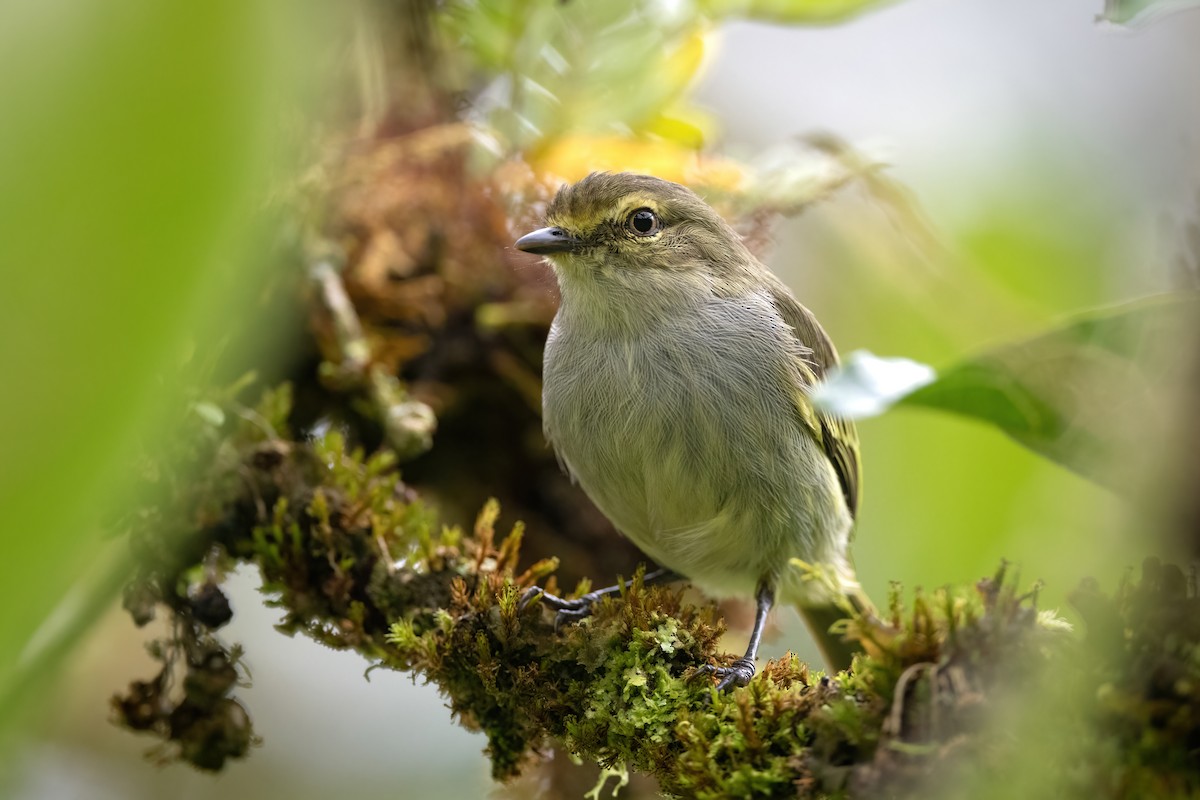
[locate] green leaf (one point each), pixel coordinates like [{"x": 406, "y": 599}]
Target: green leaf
[
  {"x": 137, "y": 144},
  {"x": 555, "y": 69},
  {"x": 580, "y": 67},
  {"x": 1142, "y": 12},
  {"x": 211, "y": 413},
  {"x": 795, "y": 12},
  {"x": 1090, "y": 395}
]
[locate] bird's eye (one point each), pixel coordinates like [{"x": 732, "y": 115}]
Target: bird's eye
[{"x": 644, "y": 222}]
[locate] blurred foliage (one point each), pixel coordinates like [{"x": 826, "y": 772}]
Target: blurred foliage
[
  {"x": 580, "y": 67},
  {"x": 1140, "y": 12},
  {"x": 957, "y": 494},
  {"x": 1088, "y": 395},
  {"x": 809, "y": 12},
  {"x": 136, "y": 140},
  {"x": 577, "y": 86}
]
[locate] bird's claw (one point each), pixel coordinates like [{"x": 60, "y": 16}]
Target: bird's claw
[
  {"x": 568, "y": 610},
  {"x": 737, "y": 674},
  {"x": 528, "y": 596}
]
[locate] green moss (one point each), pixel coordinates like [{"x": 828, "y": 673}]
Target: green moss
[{"x": 356, "y": 561}]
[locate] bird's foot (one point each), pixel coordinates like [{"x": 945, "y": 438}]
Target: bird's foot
[
  {"x": 737, "y": 674},
  {"x": 567, "y": 610}
]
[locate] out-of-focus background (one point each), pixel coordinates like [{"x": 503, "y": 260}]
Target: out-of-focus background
[{"x": 1057, "y": 160}]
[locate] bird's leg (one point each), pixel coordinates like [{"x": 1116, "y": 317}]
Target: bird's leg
[
  {"x": 581, "y": 607},
  {"x": 742, "y": 670}
]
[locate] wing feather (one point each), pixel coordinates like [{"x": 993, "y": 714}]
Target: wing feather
[{"x": 837, "y": 437}]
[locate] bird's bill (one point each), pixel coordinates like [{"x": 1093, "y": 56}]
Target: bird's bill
[{"x": 545, "y": 241}]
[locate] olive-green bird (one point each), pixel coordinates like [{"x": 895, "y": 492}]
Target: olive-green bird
[{"x": 675, "y": 392}]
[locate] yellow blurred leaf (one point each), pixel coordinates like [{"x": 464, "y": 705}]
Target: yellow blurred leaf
[
  {"x": 799, "y": 12},
  {"x": 685, "y": 127},
  {"x": 573, "y": 157},
  {"x": 680, "y": 66}
]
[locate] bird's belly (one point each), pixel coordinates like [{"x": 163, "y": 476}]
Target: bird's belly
[{"x": 697, "y": 457}]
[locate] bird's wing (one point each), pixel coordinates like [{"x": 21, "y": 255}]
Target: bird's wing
[{"x": 837, "y": 437}]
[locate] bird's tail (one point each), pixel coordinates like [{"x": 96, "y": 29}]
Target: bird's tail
[{"x": 824, "y": 617}]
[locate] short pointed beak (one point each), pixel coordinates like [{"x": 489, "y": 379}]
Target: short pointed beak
[{"x": 545, "y": 241}]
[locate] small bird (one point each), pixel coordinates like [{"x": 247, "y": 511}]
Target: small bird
[{"x": 675, "y": 392}]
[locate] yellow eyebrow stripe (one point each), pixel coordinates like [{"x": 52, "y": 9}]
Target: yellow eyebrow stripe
[{"x": 596, "y": 216}]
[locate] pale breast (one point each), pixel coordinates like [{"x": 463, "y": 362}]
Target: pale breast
[{"x": 685, "y": 434}]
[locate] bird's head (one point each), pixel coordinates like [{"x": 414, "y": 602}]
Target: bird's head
[{"x": 622, "y": 224}]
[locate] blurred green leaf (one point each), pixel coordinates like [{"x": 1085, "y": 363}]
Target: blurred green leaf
[
  {"x": 135, "y": 153},
  {"x": 1141, "y": 12},
  {"x": 796, "y": 12},
  {"x": 579, "y": 67},
  {"x": 568, "y": 68},
  {"x": 1089, "y": 395}
]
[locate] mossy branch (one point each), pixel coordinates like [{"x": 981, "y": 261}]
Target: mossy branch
[{"x": 355, "y": 561}]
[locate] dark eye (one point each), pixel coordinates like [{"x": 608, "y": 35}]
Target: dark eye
[{"x": 644, "y": 222}]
